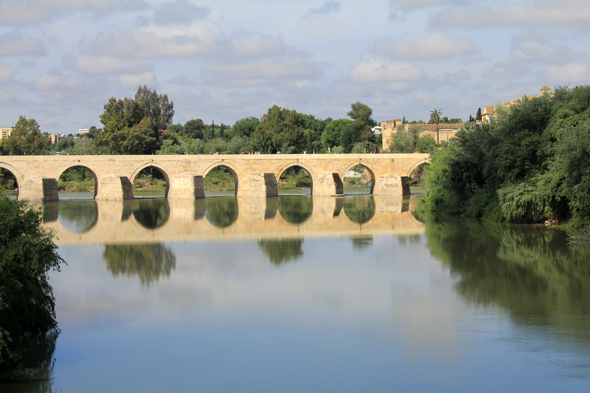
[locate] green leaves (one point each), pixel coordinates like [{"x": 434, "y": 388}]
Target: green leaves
[{"x": 27, "y": 305}]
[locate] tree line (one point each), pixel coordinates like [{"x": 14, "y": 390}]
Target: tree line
[{"x": 135, "y": 125}]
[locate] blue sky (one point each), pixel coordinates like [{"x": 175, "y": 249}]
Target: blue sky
[{"x": 61, "y": 60}]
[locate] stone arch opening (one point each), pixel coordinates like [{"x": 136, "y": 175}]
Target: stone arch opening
[
  {"x": 295, "y": 177},
  {"x": 359, "y": 209},
  {"x": 220, "y": 178},
  {"x": 77, "y": 216},
  {"x": 295, "y": 209},
  {"x": 357, "y": 178},
  {"x": 151, "y": 213},
  {"x": 221, "y": 212},
  {"x": 9, "y": 182},
  {"x": 80, "y": 180},
  {"x": 417, "y": 174},
  {"x": 150, "y": 181}
]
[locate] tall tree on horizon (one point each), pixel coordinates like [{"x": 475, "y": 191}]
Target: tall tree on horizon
[{"x": 435, "y": 114}]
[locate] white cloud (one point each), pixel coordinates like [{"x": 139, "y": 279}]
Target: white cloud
[
  {"x": 255, "y": 44},
  {"x": 7, "y": 96},
  {"x": 327, "y": 7},
  {"x": 160, "y": 41},
  {"x": 426, "y": 46},
  {"x": 6, "y": 73},
  {"x": 109, "y": 65},
  {"x": 529, "y": 13},
  {"x": 426, "y": 3},
  {"x": 535, "y": 47},
  {"x": 18, "y": 44},
  {"x": 379, "y": 71},
  {"x": 574, "y": 73},
  {"x": 503, "y": 70},
  {"x": 262, "y": 71},
  {"x": 134, "y": 80},
  {"x": 15, "y": 12},
  {"x": 179, "y": 12}
]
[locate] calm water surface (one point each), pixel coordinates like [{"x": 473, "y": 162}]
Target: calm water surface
[{"x": 302, "y": 294}]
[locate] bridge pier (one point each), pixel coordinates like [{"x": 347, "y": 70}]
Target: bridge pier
[
  {"x": 327, "y": 184},
  {"x": 258, "y": 184},
  {"x": 392, "y": 185},
  {"x": 114, "y": 188},
  {"x": 39, "y": 189},
  {"x": 186, "y": 186}
]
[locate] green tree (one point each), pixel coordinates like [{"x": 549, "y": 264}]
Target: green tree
[
  {"x": 478, "y": 115},
  {"x": 426, "y": 144},
  {"x": 404, "y": 141},
  {"x": 280, "y": 130},
  {"x": 363, "y": 113},
  {"x": 27, "y": 305},
  {"x": 435, "y": 116},
  {"x": 332, "y": 132},
  {"x": 26, "y": 139},
  {"x": 245, "y": 127},
  {"x": 352, "y": 134},
  {"x": 126, "y": 118},
  {"x": 193, "y": 128}
]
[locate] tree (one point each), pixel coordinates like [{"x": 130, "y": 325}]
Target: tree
[
  {"x": 193, "y": 129},
  {"x": 435, "y": 115},
  {"x": 351, "y": 134},
  {"x": 331, "y": 134},
  {"x": 125, "y": 114},
  {"x": 478, "y": 116},
  {"x": 281, "y": 130},
  {"x": 363, "y": 113},
  {"x": 404, "y": 141},
  {"x": 26, "y": 139},
  {"x": 137, "y": 139},
  {"x": 245, "y": 127},
  {"x": 27, "y": 305}
]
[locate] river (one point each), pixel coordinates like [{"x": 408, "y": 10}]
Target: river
[{"x": 302, "y": 294}]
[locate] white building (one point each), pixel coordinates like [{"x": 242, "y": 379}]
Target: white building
[{"x": 5, "y": 132}]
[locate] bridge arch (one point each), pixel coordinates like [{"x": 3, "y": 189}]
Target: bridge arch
[
  {"x": 165, "y": 172},
  {"x": 298, "y": 163},
  {"x": 366, "y": 166},
  {"x": 19, "y": 178},
  {"x": 417, "y": 164},
  {"x": 231, "y": 168},
  {"x": 92, "y": 171}
]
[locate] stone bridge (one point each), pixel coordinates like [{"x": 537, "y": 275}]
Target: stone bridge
[
  {"x": 254, "y": 175},
  {"x": 122, "y": 222}
]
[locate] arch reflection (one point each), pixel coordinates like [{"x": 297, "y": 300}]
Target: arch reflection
[
  {"x": 359, "y": 209},
  {"x": 295, "y": 209},
  {"x": 78, "y": 216},
  {"x": 151, "y": 213},
  {"x": 221, "y": 212}
]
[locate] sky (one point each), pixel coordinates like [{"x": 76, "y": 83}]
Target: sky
[{"x": 222, "y": 60}]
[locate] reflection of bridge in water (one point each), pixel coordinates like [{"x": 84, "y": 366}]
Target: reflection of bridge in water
[{"x": 162, "y": 220}]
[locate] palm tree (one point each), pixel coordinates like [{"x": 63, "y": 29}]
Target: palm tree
[{"x": 435, "y": 114}]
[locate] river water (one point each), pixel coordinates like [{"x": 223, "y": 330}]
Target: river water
[{"x": 302, "y": 294}]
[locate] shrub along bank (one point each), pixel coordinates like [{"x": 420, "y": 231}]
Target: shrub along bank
[{"x": 530, "y": 163}]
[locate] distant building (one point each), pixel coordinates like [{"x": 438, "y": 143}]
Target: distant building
[
  {"x": 54, "y": 138},
  {"x": 83, "y": 131},
  {"x": 5, "y": 132},
  {"x": 490, "y": 110},
  {"x": 445, "y": 130}
]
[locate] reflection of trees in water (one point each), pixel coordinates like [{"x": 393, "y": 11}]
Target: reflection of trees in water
[
  {"x": 360, "y": 243},
  {"x": 411, "y": 239},
  {"x": 199, "y": 209},
  {"x": 148, "y": 261},
  {"x": 529, "y": 271},
  {"x": 359, "y": 209},
  {"x": 36, "y": 356},
  {"x": 281, "y": 251},
  {"x": 151, "y": 213},
  {"x": 295, "y": 209},
  {"x": 77, "y": 216},
  {"x": 221, "y": 212}
]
